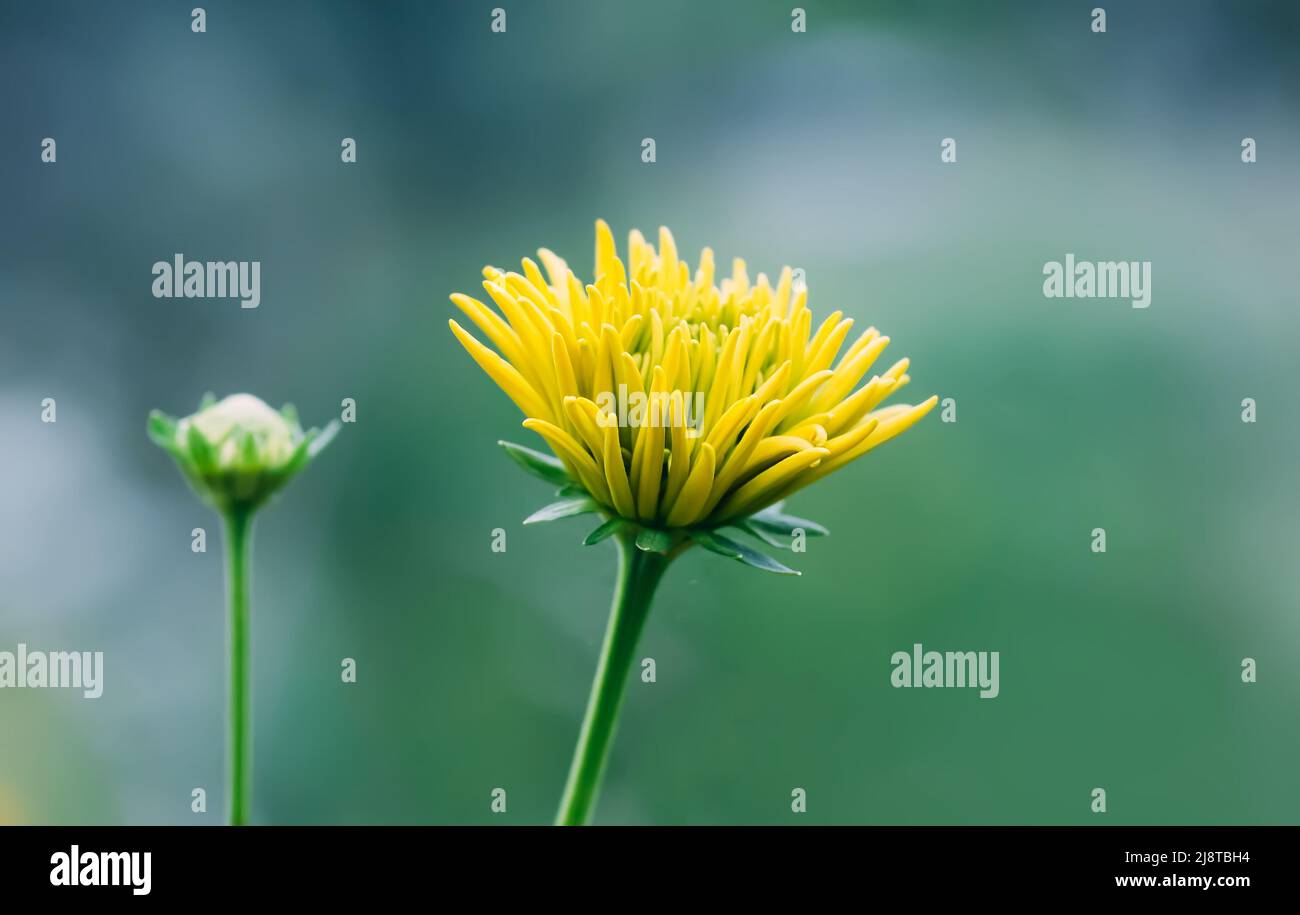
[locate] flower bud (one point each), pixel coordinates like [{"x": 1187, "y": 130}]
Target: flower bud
[{"x": 237, "y": 452}]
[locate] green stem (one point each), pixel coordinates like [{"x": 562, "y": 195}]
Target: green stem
[
  {"x": 239, "y": 735},
  {"x": 638, "y": 574}
]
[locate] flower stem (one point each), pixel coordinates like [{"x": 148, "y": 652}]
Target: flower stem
[
  {"x": 239, "y": 735},
  {"x": 638, "y": 574}
]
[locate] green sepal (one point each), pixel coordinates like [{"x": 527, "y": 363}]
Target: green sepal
[
  {"x": 317, "y": 440},
  {"x": 563, "y": 508},
  {"x": 725, "y": 546},
  {"x": 774, "y": 521},
  {"x": 248, "y": 450},
  {"x": 605, "y": 531},
  {"x": 652, "y": 540},
  {"x": 763, "y": 534},
  {"x": 301, "y": 455},
  {"x": 162, "y": 430},
  {"x": 200, "y": 451},
  {"x": 543, "y": 466}
]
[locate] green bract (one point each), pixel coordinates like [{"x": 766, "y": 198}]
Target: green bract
[
  {"x": 771, "y": 525},
  {"x": 238, "y": 451}
]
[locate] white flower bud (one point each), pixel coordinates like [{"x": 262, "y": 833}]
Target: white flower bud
[{"x": 238, "y": 451}]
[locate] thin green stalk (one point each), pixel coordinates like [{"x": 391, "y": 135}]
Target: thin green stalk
[
  {"x": 638, "y": 574},
  {"x": 239, "y": 737}
]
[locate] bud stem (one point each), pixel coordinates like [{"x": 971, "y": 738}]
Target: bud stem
[
  {"x": 239, "y": 736},
  {"x": 638, "y": 575}
]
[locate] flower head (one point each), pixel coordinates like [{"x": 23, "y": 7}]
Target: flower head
[
  {"x": 238, "y": 451},
  {"x": 774, "y": 408}
]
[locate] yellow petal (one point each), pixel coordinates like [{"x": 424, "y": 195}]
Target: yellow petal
[
  {"x": 679, "y": 461},
  {"x": 773, "y": 449},
  {"x": 501, "y": 335},
  {"x": 504, "y": 374},
  {"x": 795, "y": 404},
  {"x": 754, "y": 494},
  {"x": 568, "y": 381},
  {"x": 861, "y": 402},
  {"x": 582, "y": 416},
  {"x": 847, "y": 375},
  {"x": 604, "y": 249},
  {"x": 573, "y": 455},
  {"x": 691, "y": 499},
  {"x": 731, "y": 422},
  {"x": 649, "y": 469},
  {"x": 897, "y": 420},
  {"x": 616, "y": 475},
  {"x": 739, "y": 457},
  {"x": 824, "y": 355}
]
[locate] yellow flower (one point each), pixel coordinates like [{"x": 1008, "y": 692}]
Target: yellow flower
[{"x": 744, "y": 403}]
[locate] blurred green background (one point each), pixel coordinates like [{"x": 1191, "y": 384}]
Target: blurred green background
[{"x": 819, "y": 150}]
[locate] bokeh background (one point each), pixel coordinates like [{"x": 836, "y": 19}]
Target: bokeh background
[{"x": 818, "y": 150}]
